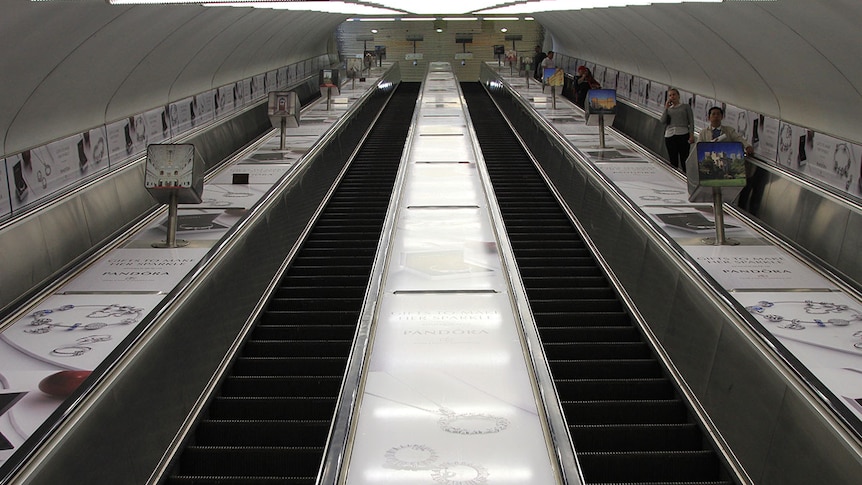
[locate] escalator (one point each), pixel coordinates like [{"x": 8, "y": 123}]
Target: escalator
[
  {"x": 626, "y": 417},
  {"x": 269, "y": 420}
]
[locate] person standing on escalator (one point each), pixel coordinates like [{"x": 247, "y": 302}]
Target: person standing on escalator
[{"x": 679, "y": 129}]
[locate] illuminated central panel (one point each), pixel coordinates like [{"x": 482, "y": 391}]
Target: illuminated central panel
[{"x": 448, "y": 395}]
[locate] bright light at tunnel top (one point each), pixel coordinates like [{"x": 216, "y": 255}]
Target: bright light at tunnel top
[{"x": 437, "y": 7}]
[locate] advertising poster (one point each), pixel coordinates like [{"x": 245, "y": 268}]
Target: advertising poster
[
  {"x": 702, "y": 104},
  {"x": 832, "y": 161},
  {"x": 624, "y": 85},
  {"x": 93, "y": 150},
  {"x": 47, "y": 353},
  {"x": 609, "y": 80},
  {"x": 823, "y": 330},
  {"x": 271, "y": 81},
  {"x": 5, "y": 190},
  {"x": 656, "y": 96},
  {"x": 224, "y": 100},
  {"x": 354, "y": 68},
  {"x": 126, "y": 138},
  {"x": 260, "y": 173},
  {"x": 202, "y": 227},
  {"x": 44, "y": 170},
  {"x": 293, "y": 74},
  {"x": 554, "y": 76},
  {"x": 181, "y": 115},
  {"x": 764, "y": 138},
  {"x": 793, "y": 147},
  {"x": 721, "y": 164},
  {"x": 67, "y": 161},
  {"x": 247, "y": 90},
  {"x": 282, "y": 78},
  {"x": 238, "y": 95},
  {"x": 690, "y": 225},
  {"x": 756, "y": 267},
  {"x": 204, "y": 107},
  {"x": 156, "y": 126},
  {"x": 686, "y": 97},
  {"x": 137, "y": 270},
  {"x": 599, "y": 74},
  {"x": 738, "y": 119},
  {"x": 256, "y": 87},
  {"x": 642, "y": 94},
  {"x": 602, "y": 101}
]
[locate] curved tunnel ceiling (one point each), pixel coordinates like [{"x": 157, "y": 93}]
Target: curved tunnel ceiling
[
  {"x": 797, "y": 60},
  {"x": 80, "y": 65},
  {"x": 77, "y": 65}
]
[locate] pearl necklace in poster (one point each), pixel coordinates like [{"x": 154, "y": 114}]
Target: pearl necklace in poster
[
  {"x": 826, "y": 324},
  {"x": 419, "y": 458}
]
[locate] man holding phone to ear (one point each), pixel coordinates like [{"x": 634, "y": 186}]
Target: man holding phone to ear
[{"x": 718, "y": 132}]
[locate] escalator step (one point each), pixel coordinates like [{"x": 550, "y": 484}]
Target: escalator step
[
  {"x": 630, "y": 412},
  {"x": 312, "y": 331},
  {"x": 280, "y": 386},
  {"x": 321, "y": 317},
  {"x": 615, "y": 389},
  {"x": 597, "y": 350},
  {"x": 639, "y": 467},
  {"x": 558, "y": 319},
  {"x": 604, "y": 369},
  {"x": 293, "y": 433},
  {"x": 301, "y": 348},
  {"x": 289, "y": 366},
  {"x": 252, "y": 461},
  {"x": 301, "y": 407},
  {"x": 637, "y": 437}
]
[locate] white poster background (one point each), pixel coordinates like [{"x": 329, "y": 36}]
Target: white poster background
[
  {"x": 702, "y": 104},
  {"x": 765, "y": 138},
  {"x": 832, "y": 161},
  {"x": 625, "y": 86},
  {"x": 756, "y": 267},
  {"x": 62, "y": 334},
  {"x": 738, "y": 119},
  {"x": 224, "y": 100},
  {"x": 136, "y": 270},
  {"x": 181, "y": 115},
  {"x": 805, "y": 323},
  {"x": 656, "y": 96},
  {"x": 282, "y": 78},
  {"x": 270, "y": 82},
  {"x": 609, "y": 81},
  {"x": 205, "y": 107},
  {"x": 247, "y": 90},
  {"x": 790, "y": 137}
]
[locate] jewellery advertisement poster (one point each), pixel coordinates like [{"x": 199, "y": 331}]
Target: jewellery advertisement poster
[
  {"x": 823, "y": 330},
  {"x": 44, "y": 170},
  {"x": 47, "y": 353},
  {"x": 756, "y": 267}
]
